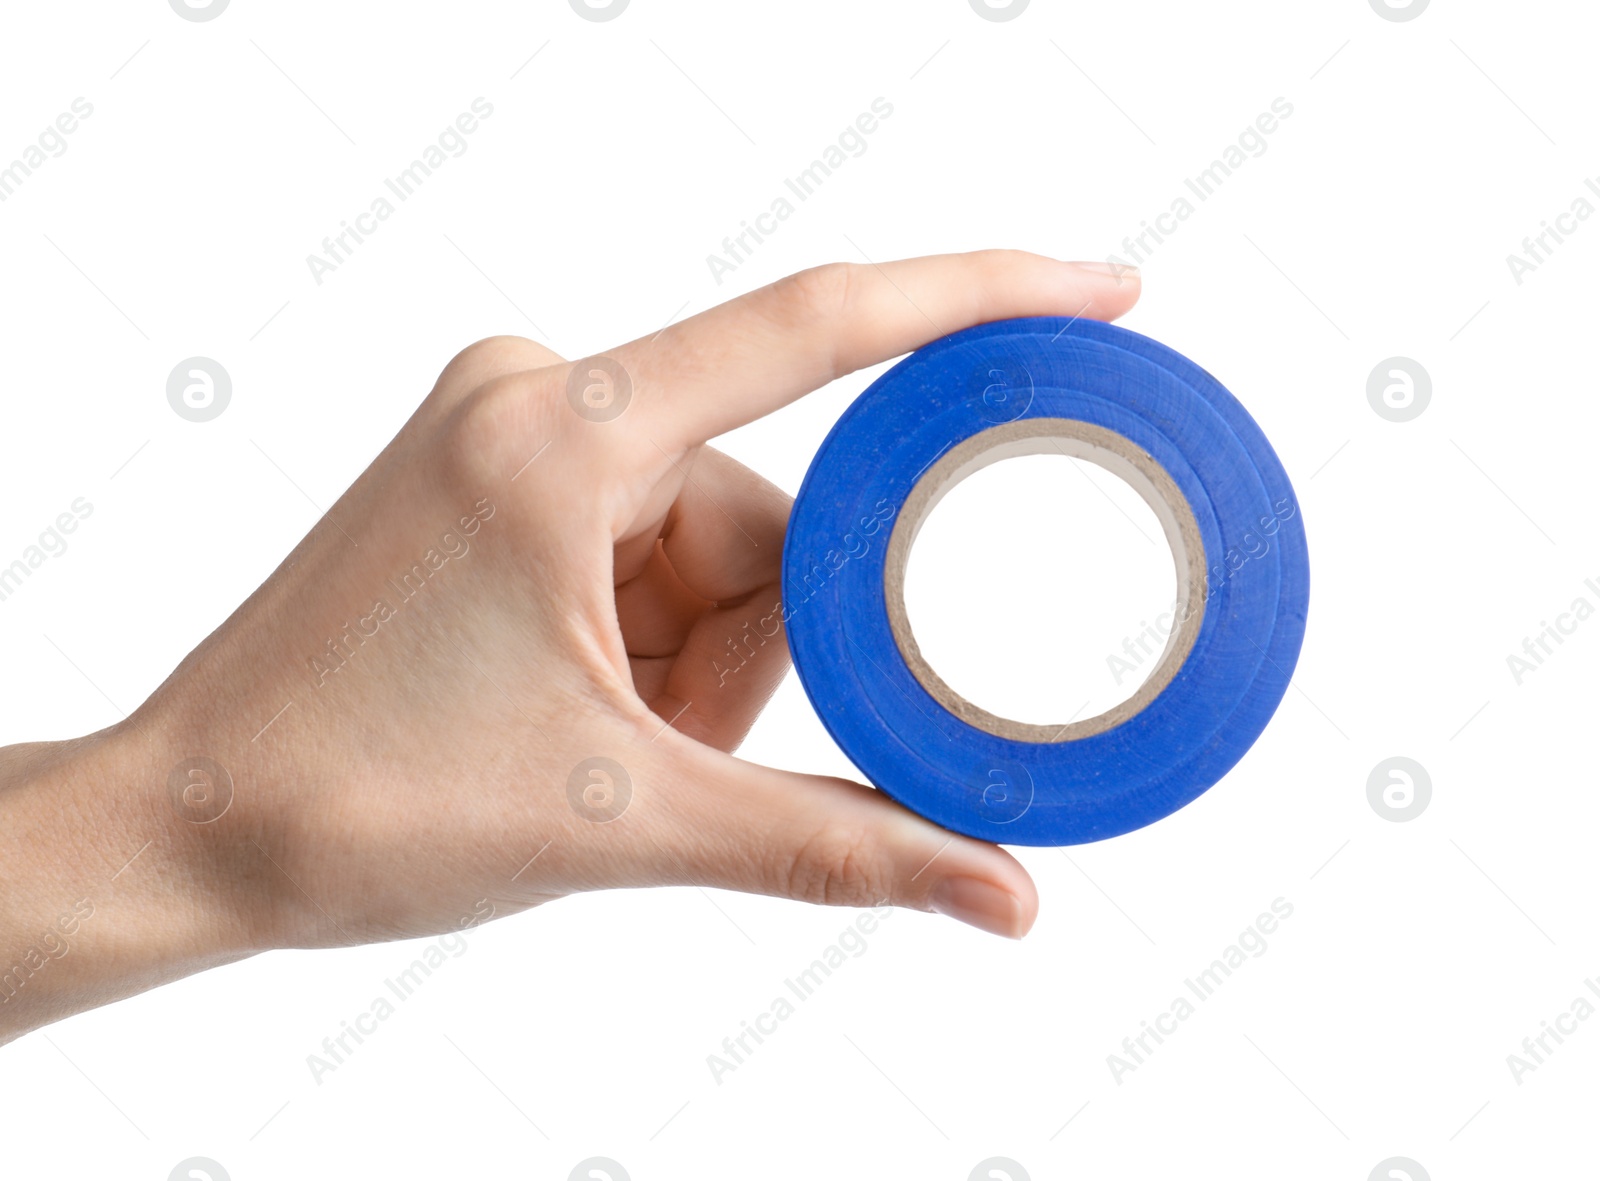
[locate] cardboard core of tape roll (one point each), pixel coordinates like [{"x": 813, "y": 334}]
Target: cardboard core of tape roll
[{"x": 1121, "y": 457}]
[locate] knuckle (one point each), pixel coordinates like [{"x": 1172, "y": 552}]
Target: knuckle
[
  {"x": 989, "y": 272},
  {"x": 491, "y": 357},
  {"x": 838, "y": 867},
  {"x": 1008, "y": 259},
  {"x": 818, "y": 292}
]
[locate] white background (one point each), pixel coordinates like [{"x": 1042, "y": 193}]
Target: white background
[{"x": 1419, "y": 154}]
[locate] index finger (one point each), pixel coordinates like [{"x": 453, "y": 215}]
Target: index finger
[{"x": 745, "y": 358}]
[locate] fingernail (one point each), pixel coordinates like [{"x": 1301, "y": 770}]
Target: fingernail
[
  {"x": 980, "y": 905},
  {"x": 1117, "y": 270}
]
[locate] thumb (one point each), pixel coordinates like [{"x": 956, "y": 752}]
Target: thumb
[{"x": 830, "y": 841}]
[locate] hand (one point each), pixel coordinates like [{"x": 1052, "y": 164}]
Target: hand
[{"x": 410, "y": 708}]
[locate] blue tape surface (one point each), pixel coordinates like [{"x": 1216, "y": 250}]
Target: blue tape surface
[{"x": 1045, "y": 793}]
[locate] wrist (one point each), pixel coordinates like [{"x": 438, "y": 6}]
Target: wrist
[{"x": 106, "y": 889}]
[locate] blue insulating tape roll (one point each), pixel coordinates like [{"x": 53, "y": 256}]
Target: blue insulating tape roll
[{"x": 1034, "y": 792}]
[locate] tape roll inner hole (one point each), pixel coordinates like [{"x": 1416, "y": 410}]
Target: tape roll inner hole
[{"x": 1118, "y": 455}]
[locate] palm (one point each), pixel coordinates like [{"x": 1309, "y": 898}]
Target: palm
[{"x": 697, "y": 585}]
